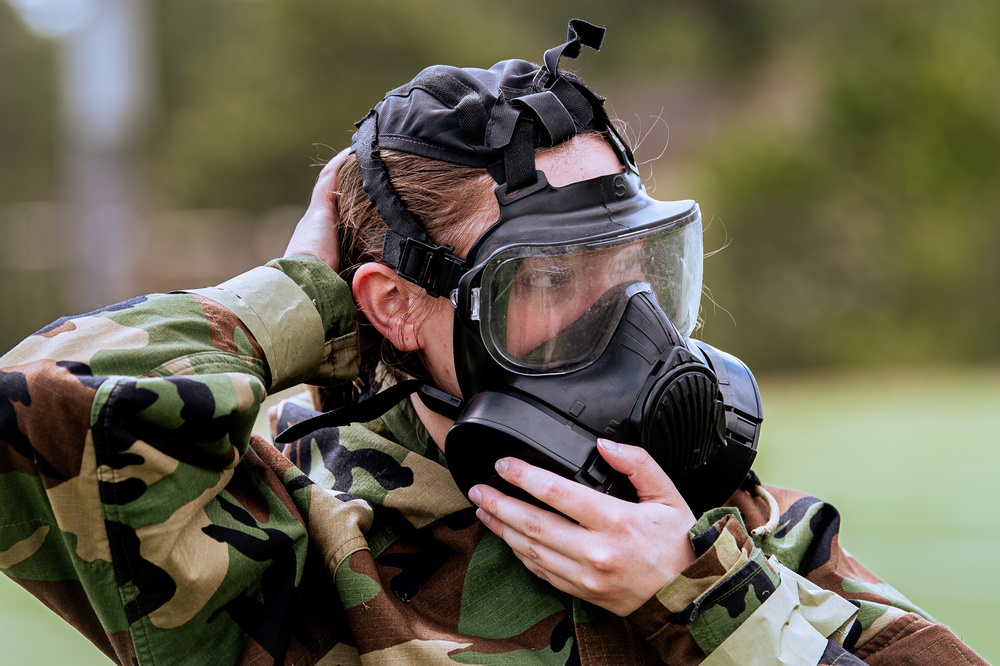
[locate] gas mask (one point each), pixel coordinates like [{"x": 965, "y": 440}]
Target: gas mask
[
  {"x": 574, "y": 310},
  {"x": 573, "y": 323}
]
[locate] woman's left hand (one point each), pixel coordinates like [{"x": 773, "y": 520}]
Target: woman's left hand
[
  {"x": 618, "y": 554},
  {"x": 316, "y": 233}
]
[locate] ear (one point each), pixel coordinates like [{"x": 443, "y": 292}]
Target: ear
[{"x": 386, "y": 302}]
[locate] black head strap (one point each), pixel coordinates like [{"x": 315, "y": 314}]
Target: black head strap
[
  {"x": 407, "y": 247},
  {"x": 372, "y": 408},
  {"x": 579, "y": 33},
  {"x": 559, "y": 107}
]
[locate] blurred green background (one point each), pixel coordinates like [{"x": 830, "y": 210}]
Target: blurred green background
[{"x": 845, "y": 155}]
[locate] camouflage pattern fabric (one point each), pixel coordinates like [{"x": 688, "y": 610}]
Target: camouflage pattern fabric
[{"x": 139, "y": 506}]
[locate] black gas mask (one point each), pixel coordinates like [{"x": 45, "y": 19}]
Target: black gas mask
[
  {"x": 573, "y": 311},
  {"x": 572, "y": 323}
]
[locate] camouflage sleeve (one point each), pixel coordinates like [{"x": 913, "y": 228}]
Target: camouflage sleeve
[
  {"x": 304, "y": 322},
  {"x": 119, "y": 429},
  {"x": 792, "y": 593}
]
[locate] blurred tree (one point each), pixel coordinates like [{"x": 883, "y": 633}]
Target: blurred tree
[
  {"x": 253, "y": 86},
  {"x": 864, "y": 230},
  {"x": 250, "y": 86}
]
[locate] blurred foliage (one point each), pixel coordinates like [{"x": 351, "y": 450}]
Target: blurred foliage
[
  {"x": 28, "y": 113},
  {"x": 249, "y": 86},
  {"x": 844, "y": 154},
  {"x": 866, "y": 230}
]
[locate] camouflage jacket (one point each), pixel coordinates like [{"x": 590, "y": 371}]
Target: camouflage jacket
[{"x": 138, "y": 504}]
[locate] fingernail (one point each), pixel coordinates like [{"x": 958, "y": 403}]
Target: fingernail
[
  {"x": 608, "y": 445},
  {"x": 483, "y": 516},
  {"x": 501, "y": 466},
  {"x": 475, "y": 496}
]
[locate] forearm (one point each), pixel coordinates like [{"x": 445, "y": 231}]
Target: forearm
[{"x": 119, "y": 428}]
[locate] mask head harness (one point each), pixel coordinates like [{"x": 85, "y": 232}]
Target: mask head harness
[
  {"x": 574, "y": 309},
  {"x": 492, "y": 119}
]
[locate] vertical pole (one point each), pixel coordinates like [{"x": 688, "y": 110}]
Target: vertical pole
[{"x": 105, "y": 79}]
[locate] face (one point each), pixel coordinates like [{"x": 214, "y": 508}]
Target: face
[{"x": 581, "y": 158}]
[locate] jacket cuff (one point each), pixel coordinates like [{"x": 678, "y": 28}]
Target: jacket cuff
[
  {"x": 800, "y": 624},
  {"x": 329, "y": 293},
  {"x": 332, "y": 297},
  {"x": 295, "y": 313},
  {"x": 711, "y": 598}
]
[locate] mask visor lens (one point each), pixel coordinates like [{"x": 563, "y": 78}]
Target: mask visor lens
[{"x": 553, "y": 308}]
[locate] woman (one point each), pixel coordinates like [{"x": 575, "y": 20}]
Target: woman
[{"x": 140, "y": 507}]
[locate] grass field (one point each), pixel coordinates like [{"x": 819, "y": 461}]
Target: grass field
[
  {"x": 912, "y": 461},
  {"x": 909, "y": 458}
]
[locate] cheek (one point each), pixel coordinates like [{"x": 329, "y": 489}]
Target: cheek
[{"x": 437, "y": 345}]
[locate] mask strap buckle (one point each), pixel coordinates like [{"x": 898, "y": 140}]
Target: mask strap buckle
[
  {"x": 432, "y": 267},
  {"x": 407, "y": 247}
]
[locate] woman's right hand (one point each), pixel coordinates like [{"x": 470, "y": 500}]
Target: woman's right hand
[
  {"x": 316, "y": 233},
  {"x": 616, "y": 554}
]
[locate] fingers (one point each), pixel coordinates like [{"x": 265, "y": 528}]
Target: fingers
[
  {"x": 551, "y": 566},
  {"x": 617, "y": 554},
  {"x": 539, "y": 535},
  {"x": 325, "y": 190},
  {"x": 570, "y": 557},
  {"x": 650, "y": 481},
  {"x": 582, "y": 504},
  {"x": 316, "y": 233},
  {"x": 568, "y": 497},
  {"x": 533, "y": 534}
]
